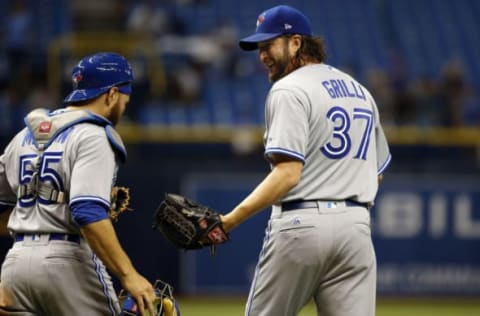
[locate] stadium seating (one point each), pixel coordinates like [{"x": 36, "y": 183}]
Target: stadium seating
[{"x": 360, "y": 35}]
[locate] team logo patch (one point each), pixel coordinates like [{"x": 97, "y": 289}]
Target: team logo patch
[
  {"x": 76, "y": 78},
  {"x": 45, "y": 127},
  {"x": 260, "y": 19}
]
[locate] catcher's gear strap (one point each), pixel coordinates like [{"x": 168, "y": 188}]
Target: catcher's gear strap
[
  {"x": 44, "y": 127},
  {"x": 44, "y": 191},
  {"x": 116, "y": 142}
]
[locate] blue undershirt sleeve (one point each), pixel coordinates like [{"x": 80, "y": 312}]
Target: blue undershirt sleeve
[{"x": 87, "y": 212}]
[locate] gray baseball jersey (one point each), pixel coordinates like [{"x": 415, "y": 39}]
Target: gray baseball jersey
[
  {"x": 60, "y": 158},
  {"x": 318, "y": 244},
  {"x": 326, "y": 119}
]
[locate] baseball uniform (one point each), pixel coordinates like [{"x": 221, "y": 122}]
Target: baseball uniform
[
  {"x": 50, "y": 268},
  {"x": 318, "y": 241},
  {"x": 57, "y": 174}
]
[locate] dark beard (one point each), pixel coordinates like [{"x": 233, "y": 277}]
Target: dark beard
[
  {"x": 279, "y": 70},
  {"x": 114, "y": 116},
  {"x": 283, "y": 67}
]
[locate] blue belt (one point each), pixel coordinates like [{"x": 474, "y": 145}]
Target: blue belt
[
  {"x": 300, "y": 204},
  {"x": 52, "y": 236}
]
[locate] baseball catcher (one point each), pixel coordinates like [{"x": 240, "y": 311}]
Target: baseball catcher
[
  {"x": 164, "y": 304},
  {"x": 119, "y": 202},
  {"x": 189, "y": 225}
]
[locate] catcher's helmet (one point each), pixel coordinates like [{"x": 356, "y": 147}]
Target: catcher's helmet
[{"x": 97, "y": 73}]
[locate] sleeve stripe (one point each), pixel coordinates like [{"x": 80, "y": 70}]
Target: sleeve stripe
[
  {"x": 285, "y": 152},
  {"x": 86, "y": 198},
  {"x": 385, "y": 164}
]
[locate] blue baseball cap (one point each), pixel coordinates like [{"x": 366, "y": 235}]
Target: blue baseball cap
[
  {"x": 96, "y": 74},
  {"x": 277, "y": 21}
]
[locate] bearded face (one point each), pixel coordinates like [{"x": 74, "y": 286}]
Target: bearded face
[
  {"x": 117, "y": 109},
  {"x": 277, "y": 55}
]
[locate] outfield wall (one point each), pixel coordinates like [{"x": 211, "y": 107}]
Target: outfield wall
[
  {"x": 426, "y": 232},
  {"x": 426, "y": 223}
]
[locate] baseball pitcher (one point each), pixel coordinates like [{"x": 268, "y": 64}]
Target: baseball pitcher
[{"x": 327, "y": 151}]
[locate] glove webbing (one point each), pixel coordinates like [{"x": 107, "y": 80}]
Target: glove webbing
[{"x": 186, "y": 229}]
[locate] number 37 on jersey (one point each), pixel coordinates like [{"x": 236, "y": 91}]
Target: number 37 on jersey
[{"x": 342, "y": 144}]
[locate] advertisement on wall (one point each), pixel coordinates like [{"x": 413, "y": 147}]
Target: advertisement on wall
[{"x": 426, "y": 233}]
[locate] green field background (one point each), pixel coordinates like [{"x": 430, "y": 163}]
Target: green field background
[{"x": 214, "y": 306}]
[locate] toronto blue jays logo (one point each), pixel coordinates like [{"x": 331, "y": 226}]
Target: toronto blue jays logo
[
  {"x": 76, "y": 78},
  {"x": 260, "y": 19}
]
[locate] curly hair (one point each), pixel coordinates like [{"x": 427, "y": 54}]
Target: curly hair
[{"x": 312, "y": 50}]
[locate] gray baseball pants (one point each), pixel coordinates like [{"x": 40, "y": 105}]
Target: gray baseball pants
[
  {"x": 57, "y": 277},
  {"x": 325, "y": 254}
]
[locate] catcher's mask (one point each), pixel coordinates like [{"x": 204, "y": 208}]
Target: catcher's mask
[
  {"x": 96, "y": 74},
  {"x": 162, "y": 290}
]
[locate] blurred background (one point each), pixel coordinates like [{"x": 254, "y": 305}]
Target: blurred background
[{"x": 195, "y": 122}]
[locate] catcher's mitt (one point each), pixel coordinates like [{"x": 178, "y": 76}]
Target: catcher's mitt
[
  {"x": 164, "y": 304},
  {"x": 189, "y": 225},
  {"x": 119, "y": 202}
]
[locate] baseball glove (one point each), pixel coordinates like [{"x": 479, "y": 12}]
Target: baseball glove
[
  {"x": 164, "y": 304},
  {"x": 119, "y": 202},
  {"x": 189, "y": 225}
]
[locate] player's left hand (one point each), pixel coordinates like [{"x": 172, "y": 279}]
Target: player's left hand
[{"x": 189, "y": 225}]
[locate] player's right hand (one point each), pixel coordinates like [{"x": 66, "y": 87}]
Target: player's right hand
[{"x": 142, "y": 291}]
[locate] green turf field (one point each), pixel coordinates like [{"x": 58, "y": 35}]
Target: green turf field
[{"x": 210, "y": 306}]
